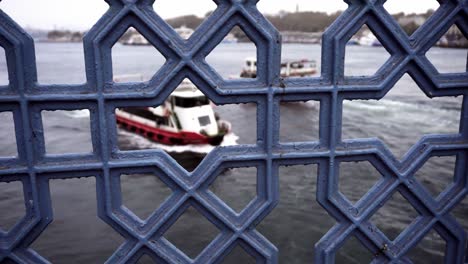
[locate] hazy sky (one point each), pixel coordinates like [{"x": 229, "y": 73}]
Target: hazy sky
[{"x": 82, "y": 14}]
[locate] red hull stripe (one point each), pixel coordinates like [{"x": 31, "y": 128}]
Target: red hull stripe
[{"x": 160, "y": 135}]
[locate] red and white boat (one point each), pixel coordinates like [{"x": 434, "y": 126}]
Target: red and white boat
[{"x": 186, "y": 117}]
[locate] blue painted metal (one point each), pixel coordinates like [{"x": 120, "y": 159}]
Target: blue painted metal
[{"x": 185, "y": 59}]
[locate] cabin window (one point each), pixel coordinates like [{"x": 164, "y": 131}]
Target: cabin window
[
  {"x": 204, "y": 120},
  {"x": 310, "y": 64},
  {"x": 297, "y": 65},
  {"x": 191, "y": 102},
  {"x": 250, "y": 63}
]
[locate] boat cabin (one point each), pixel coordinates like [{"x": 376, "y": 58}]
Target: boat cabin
[{"x": 289, "y": 68}]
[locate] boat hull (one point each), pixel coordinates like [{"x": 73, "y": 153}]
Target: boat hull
[
  {"x": 167, "y": 137},
  {"x": 253, "y": 74}
]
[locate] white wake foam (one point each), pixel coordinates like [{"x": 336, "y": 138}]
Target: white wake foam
[
  {"x": 144, "y": 143},
  {"x": 83, "y": 113}
]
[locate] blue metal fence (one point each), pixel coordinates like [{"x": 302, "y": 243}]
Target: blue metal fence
[{"x": 25, "y": 98}]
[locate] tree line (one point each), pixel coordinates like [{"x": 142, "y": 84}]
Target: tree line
[{"x": 299, "y": 21}]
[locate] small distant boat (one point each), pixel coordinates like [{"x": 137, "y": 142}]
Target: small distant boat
[
  {"x": 184, "y": 32},
  {"x": 186, "y": 117},
  {"x": 289, "y": 68},
  {"x": 229, "y": 39},
  {"x": 136, "y": 39},
  {"x": 369, "y": 40},
  {"x": 353, "y": 42}
]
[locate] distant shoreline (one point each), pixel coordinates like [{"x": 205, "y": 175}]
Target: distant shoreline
[
  {"x": 284, "y": 43},
  {"x": 295, "y": 28}
]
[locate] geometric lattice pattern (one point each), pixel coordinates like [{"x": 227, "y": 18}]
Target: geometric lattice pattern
[{"x": 25, "y": 98}]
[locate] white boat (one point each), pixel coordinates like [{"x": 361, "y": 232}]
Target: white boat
[
  {"x": 186, "y": 117},
  {"x": 230, "y": 38},
  {"x": 184, "y": 32},
  {"x": 136, "y": 39},
  {"x": 289, "y": 68},
  {"x": 369, "y": 39}
]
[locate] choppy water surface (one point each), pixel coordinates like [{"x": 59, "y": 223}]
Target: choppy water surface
[{"x": 77, "y": 235}]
